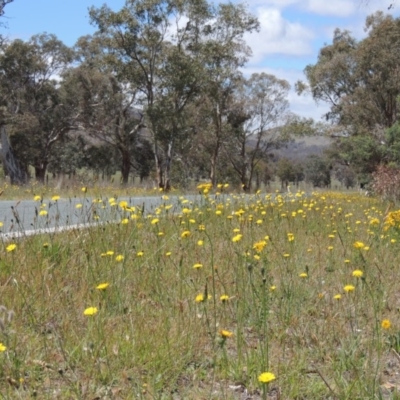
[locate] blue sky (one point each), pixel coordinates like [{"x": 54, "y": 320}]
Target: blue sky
[{"x": 292, "y": 31}]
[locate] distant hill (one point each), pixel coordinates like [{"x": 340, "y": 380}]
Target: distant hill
[{"x": 301, "y": 148}]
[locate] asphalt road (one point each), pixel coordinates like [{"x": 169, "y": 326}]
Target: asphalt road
[{"x": 22, "y": 218}]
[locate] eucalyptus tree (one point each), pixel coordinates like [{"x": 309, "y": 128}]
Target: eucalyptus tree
[
  {"x": 31, "y": 99},
  {"x": 360, "y": 81},
  {"x": 154, "y": 57},
  {"x": 261, "y": 109},
  {"x": 173, "y": 51},
  {"x": 106, "y": 100},
  {"x": 224, "y": 52}
]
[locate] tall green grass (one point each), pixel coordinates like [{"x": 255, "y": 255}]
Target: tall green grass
[{"x": 198, "y": 305}]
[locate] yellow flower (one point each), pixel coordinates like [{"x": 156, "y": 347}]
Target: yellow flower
[
  {"x": 198, "y": 265},
  {"x": 140, "y": 254},
  {"x": 42, "y": 213},
  {"x": 199, "y": 298},
  {"x": 357, "y": 273},
  {"x": 185, "y": 234},
  {"x": 358, "y": 245},
  {"x": 11, "y": 247},
  {"x": 102, "y": 286},
  {"x": 154, "y": 221},
  {"x": 46, "y": 245},
  {"x": 266, "y": 377},
  {"x": 290, "y": 237},
  {"x": 224, "y": 298},
  {"x": 91, "y": 311},
  {"x": 303, "y": 275},
  {"x": 119, "y": 257},
  {"x": 225, "y": 334},
  {"x": 125, "y": 221},
  {"x": 55, "y": 198},
  {"x": 259, "y": 246},
  {"x": 200, "y": 243},
  {"x": 84, "y": 189},
  {"x": 337, "y": 296},
  {"x": 2, "y": 347},
  {"x": 202, "y": 228},
  {"x": 237, "y": 238},
  {"x": 109, "y": 253},
  {"x": 168, "y": 253},
  {"x": 386, "y": 324},
  {"x": 272, "y": 288},
  {"x": 349, "y": 288},
  {"x": 123, "y": 204},
  {"x": 78, "y": 205},
  {"x": 37, "y": 198}
]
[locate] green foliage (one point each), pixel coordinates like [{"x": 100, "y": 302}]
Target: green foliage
[{"x": 317, "y": 171}]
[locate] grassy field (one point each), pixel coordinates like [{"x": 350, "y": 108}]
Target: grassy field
[{"x": 241, "y": 298}]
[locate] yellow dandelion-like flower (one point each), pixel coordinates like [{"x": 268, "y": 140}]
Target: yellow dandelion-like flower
[
  {"x": 337, "y": 296},
  {"x": 237, "y": 238},
  {"x": 119, "y": 258},
  {"x": 90, "y": 311},
  {"x": 185, "y": 234},
  {"x": 290, "y": 237},
  {"x": 11, "y": 247},
  {"x": 84, "y": 189},
  {"x": 224, "y": 298},
  {"x": 155, "y": 221},
  {"x": 43, "y": 213},
  {"x": 199, "y": 298},
  {"x": 37, "y": 198},
  {"x": 125, "y": 221},
  {"x": 198, "y": 265},
  {"x": 272, "y": 288},
  {"x": 109, "y": 253},
  {"x": 386, "y": 324},
  {"x": 102, "y": 286},
  {"x": 358, "y": 245},
  {"x": 168, "y": 253},
  {"x": 79, "y": 205},
  {"x": 46, "y": 245},
  {"x": 259, "y": 246},
  {"x": 55, "y": 198},
  {"x": 303, "y": 275},
  {"x": 202, "y": 228},
  {"x": 349, "y": 288},
  {"x": 123, "y": 204},
  {"x": 200, "y": 243},
  {"x": 266, "y": 377},
  {"x": 357, "y": 273},
  {"x": 140, "y": 254},
  {"x": 286, "y": 255},
  {"x": 225, "y": 334},
  {"x": 2, "y": 347}
]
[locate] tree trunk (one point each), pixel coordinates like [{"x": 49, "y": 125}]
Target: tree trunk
[
  {"x": 213, "y": 166},
  {"x": 167, "y": 168},
  {"x": 11, "y": 166},
  {"x": 40, "y": 172},
  {"x": 125, "y": 167}
]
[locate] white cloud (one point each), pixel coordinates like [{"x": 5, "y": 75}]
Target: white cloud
[
  {"x": 278, "y": 36},
  {"x": 339, "y": 8}
]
